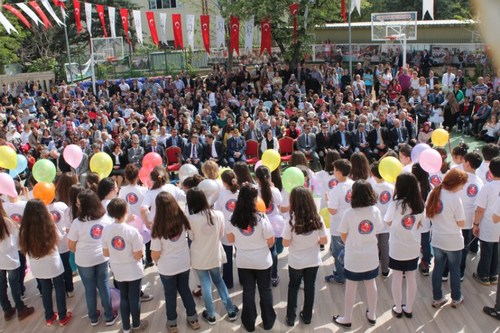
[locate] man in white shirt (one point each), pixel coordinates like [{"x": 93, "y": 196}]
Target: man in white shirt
[{"x": 447, "y": 81}]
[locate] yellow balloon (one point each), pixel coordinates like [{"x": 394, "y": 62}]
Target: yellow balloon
[
  {"x": 271, "y": 159},
  {"x": 8, "y": 157},
  {"x": 101, "y": 164},
  {"x": 440, "y": 137},
  {"x": 325, "y": 214},
  {"x": 390, "y": 168},
  {"x": 221, "y": 171}
]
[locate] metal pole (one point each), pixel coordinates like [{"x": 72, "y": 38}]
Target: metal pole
[
  {"x": 404, "y": 50},
  {"x": 350, "y": 40},
  {"x": 92, "y": 66},
  {"x": 67, "y": 45}
]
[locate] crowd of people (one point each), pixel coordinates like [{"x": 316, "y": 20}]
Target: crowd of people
[{"x": 338, "y": 125}]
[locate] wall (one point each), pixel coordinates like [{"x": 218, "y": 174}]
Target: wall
[{"x": 43, "y": 77}]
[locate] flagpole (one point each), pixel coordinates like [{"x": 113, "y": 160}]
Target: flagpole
[
  {"x": 350, "y": 40},
  {"x": 67, "y": 43}
]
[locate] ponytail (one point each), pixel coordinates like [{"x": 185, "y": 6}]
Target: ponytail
[
  {"x": 433, "y": 201},
  {"x": 228, "y": 177},
  {"x": 452, "y": 180},
  {"x": 264, "y": 177}
]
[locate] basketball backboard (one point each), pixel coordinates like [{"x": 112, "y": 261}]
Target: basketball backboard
[
  {"x": 107, "y": 48},
  {"x": 399, "y": 24}
]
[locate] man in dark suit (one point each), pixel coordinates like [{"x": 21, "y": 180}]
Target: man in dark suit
[
  {"x": 323, "y": 143},
  {"x": 342, "y": 141},
  {"x": 175, "y": 140},
  {"x": 136, "y": 153},
  {"x": 236, "y": 148},
  {"x": 360, "y": 141},
  {"x": 379, "y": 139},
  {"x": 432, "y": 80},
  {"x": 398, "y": 135},
  {"x": 213, "y": 150},
  {"x": 306, "y": 143},
  {"x": 253, "y": 133},
  {"x": 154, "y": 147},
  {"x": 193, "y": 152}
]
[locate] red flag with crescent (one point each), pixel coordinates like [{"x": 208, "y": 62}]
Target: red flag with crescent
[
  {"x": 59, "y": 3},
  {"x": 294, "y": 10},
  {"x": 234, "y": 34},
  {"x": 177, "y": 25},
  {"x": 124, "y": 17},
  {"x": 343, "y": 10},
  {"x": 40, "y": 13},
  {"x": 100, "y": 13},
  {"x": 205, "y": 31},
  {"x": 265, "y": 41},
  {"x": 152, "y": 27},
  {"x": 78, "y": 22},
  {"x": 19, "y": 15}
]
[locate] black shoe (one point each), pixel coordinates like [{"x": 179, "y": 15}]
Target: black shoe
[
  {"x": 397, "y": 314},
  {"x": 385, "y": 274},
  {"x": 407, "y": 314},
  {"x": 322, "y": 247},
  {"x": 290, "y": 322},
  {"x": 341, "y": 324},
  {"x": 492, "y": 312},
  {"x": 209, "y": 320},
  {"x": 233, "y": 315},
  {"x": 371, "y": 321},
  {"x": 307, "y": 322}
]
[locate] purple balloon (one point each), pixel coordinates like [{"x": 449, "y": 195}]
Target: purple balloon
[
  {"x": 430, "y": 161},
  {"x": 417, "y": 150}
]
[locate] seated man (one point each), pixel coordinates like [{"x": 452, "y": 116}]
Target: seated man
[
  {"x": 214, "y": 150},
  {"x": 193, "y": 152},
  {"x": 236, "y": 147},
  {"x": 360, "y": 141},
  {"x": 398, "y": 135},
  {"x": 323, "y": 142},
  {"x": 306, "y": 143},
  {"x": 343, "y": 141},
  {"x": 378, "y": 139}
]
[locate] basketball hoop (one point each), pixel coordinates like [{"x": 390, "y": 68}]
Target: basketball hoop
[
  {"x": 112, "y": 60},
  {"x": 390, "y": 39}
]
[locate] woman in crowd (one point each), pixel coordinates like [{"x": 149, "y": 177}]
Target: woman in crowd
[{"x": 269, "y": 141}]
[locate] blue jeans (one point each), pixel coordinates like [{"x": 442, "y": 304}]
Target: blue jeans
[
  {"x": 227, "y": 268},
  {"x": 171, "y": 285},
  {"x": 296, "y": 275},
  {"x": 97, "y": 277},
  {"x": 130, "y": 303},
  {"x": 338, "y": 249},
  {"x": 488, "y": 262},
  {"x": 68, "y": 272},
  {"x": 58, "y": 284},
  {"x": 206, "y": 278},
  {"x": 232, "y": 160},
  {"x": 274, "y": 255},
  {"x": 15, "y": 289},
  {"x": 453, "y": 259}
]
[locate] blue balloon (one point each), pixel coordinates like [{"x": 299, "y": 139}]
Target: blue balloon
[{"x": 22, "y": 164}]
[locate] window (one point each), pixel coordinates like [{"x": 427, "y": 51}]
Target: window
[{"x": 162, "y": 4}]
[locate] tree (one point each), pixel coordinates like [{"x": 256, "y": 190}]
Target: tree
[{"x": 11, "y": 44}]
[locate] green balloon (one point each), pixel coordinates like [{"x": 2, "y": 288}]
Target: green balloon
[
  {"x": 44, "y": 171},
  {"x": 292, "y": 177}
]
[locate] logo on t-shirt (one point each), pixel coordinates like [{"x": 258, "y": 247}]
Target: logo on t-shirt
[
  {"x": 16, "y": 218},
  {"x": 489, "y": 176},
  {"x": 118, "y": 243},
  {"x": 248, "y": 231},
  {"x": 56, "y": 216},
  {"x": 408, "y": 221},
  {"x": 270, "y": 209},
  {"x": 385, "y": 197},
  {"x": 435, "y": 180},
  {"x": 348, "y": 196},
  {"x": 176, "y": 238},
  {"x": 131, "y": 198},
  {"x": 472, "y": 190},
  {"x": 230, "y": 205},
  {"x": 365, "y": 227},
  {"x": 96, "y": 231},
  {"x": 332, "y": 183},
  {"x": 440, "y": 207}
]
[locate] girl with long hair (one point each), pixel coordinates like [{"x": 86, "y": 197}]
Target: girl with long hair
[
  {"x": 302, "y": 234},
  {"x": 360, "y": 166},
  {"x": 207, "y": 230},
  {"x": 38, "y": 239},
  {"x": 170, "y": 251},
  {"x": 242, "y": 173},
  {"x": 132, "y": 193},
  {"x": 446, "y": 211},
  {"x": 252, "y": 235},
  {"x": 63, "y": 185},
  {"x": 107, "y": 190},
  {"x": 404, "y": 217},
  {"x": 84, "y": 239}
]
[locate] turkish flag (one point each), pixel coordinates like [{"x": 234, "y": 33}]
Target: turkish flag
[
  {"x": 205, "y": 31},
  {"x": 100, "y": 13},
  {"x": 265, "y": 40},
  {"x": 294, "y": 10},
  {"x": 19, "y": 15},
  {"x": 40, "y": 13},
  {"x": 59, "y": 3},
  {"x": 177, "y": 25},
  {"x": 78, "y": 22},
  {"x": 152, "y": 27},
  {"x": 234, "y": 34},
  {"x": 124, "y": 17},
  {"x": 343, "y": 10}
]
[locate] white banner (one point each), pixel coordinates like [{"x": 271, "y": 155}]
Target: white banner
[
  {"x": 190, "y": 30},
  {"x": 163, "y": 28},
  {"x": 29, "y": 12},
  {"x": 6, "y": 24},
  {"x": 428, "y": 6},
  {"x": 88, "y": 17},
  {"x": 138, "y": 25},
  {"x": 220, "y": 32},
  {"x": 112, "y": 20},
  {"x": 355, "y": 4},
  {"x": 49, "y": 9},
  {"x": 249, "y": 29}
]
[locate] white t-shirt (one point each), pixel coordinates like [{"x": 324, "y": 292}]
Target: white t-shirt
[
  {"x": 9, "y": 255},
  {"x": 325, "y": 182},
  {"x": 206, "y": 248},
  {"x": 404, "y": 231},
  {"x": 15, "y": 210},
  {"x": 468, "y": 196},
  {"x": 339, "y": 198},
  {"x": 47, "y": 267},
  {"x": 484, "y": 172},
  {"x": 251, "y": 244},
  {"x": 446, "y": 234},
  {"x": 273, "y": 212},
  {"x": 435, "y": 179},
  {"x": 304, "y": 249},
  {"x": 174, "y": 256},
  {"x": 150, "y": 198},
  {"x": 57, "y": 210},
  {"x": 487, "y": 197},
  {"x": 407, "y": 168},
  {"x": 384, "y": 191},
  {"x": 87, "y": 236},
  {"x": 361, "y": 226},
  {"x": 122, "y": 241},
  {"x": 133, "y": 195},
  {"x": 226, "y": 204}
]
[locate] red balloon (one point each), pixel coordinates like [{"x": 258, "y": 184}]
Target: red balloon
[
  {"x": 144, "y": 177},
  {"x": 151, "y": 160}
]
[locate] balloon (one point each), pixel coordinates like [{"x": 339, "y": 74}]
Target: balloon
[
  {"x": 440, "y": 137},
  {"x": 8, "y": 158},
  {"x": 187, "y": 170},
  {"x": 417, "y": 150},
  {"x": 146, "y": 234},
  {"x": 319, "y": 183},
  {"x": 271, "y": 159},
  {"x": 151, "y": 160},
  {"x": 260, "y": 205},
  {"x": 7, "y": 185},
  {"x": 101, "y": 164},
  {"x": 44, "y": 171},
  {"x": 278, "y": 224},
  {"x": 292, "y": 177},
  {"x": 390, "y": 168},
  {"x": 211, "y": 190},
  {"x": 22, "y": 164},
  {"x": 145, "y": 178},
  {"x": 257, "y": 165},
  {"x": 221, "y": 171},
  {"x": 325, "y": 214},
  {"x": 430, "y": 160},
  {"x": 45, "y": 192},
  {"x": 115, "y": 299},
  {"x": 73, "y": 155}
]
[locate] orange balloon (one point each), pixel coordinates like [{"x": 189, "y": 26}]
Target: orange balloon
[
  {"x": 45, "y": 192},
  {"x": 260, "y": 205}
]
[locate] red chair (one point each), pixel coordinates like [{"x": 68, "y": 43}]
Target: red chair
[
  {"x": 252, "y": 152},
  {"x": 173, "y": 159},
  {"x": 286, "y": 148}
]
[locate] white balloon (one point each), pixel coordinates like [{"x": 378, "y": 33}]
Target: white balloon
[
  {"x": 187, "y": 170},
  {"x": 211, "y": 190}
]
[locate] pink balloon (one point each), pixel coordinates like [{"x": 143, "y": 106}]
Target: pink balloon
[
  {"x": 73, "y": 155},
  {"x": 146, "y": 234},
  {"x": 258, "y": 164},
  {"x": 115, "y": 299},
  {"x": 7, "y": 185},
  {"x": 417, "y": 150},
  {"x": 151, "y": 160},
  {"x": 430, "y": 160}
]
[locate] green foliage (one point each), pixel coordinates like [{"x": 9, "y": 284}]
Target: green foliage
[
  {"x": 43, "y": 64},
  {"x": 10, "y": 44}
]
